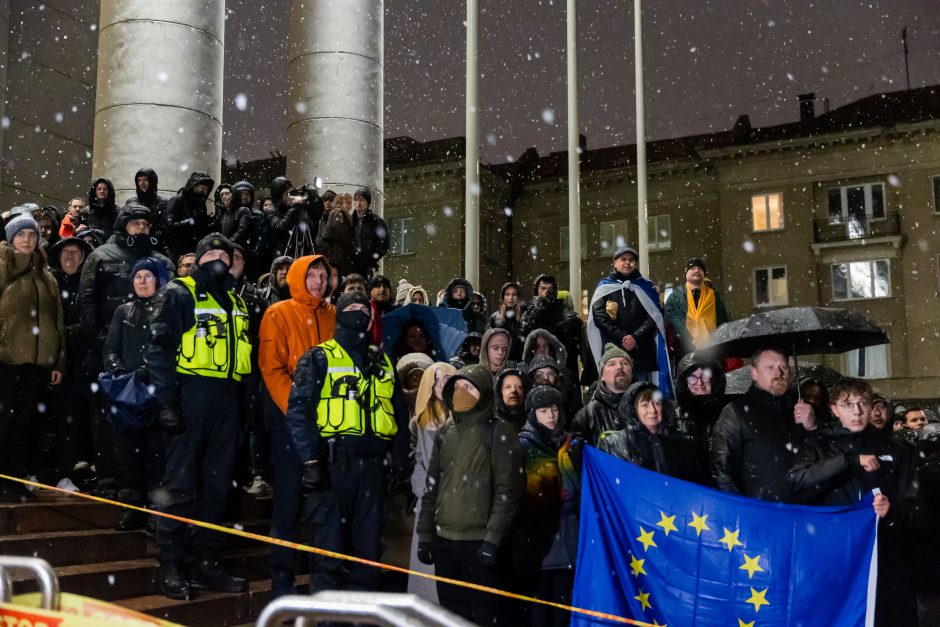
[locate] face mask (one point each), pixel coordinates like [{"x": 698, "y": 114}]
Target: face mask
[
  {"x": 463, "y": 400},
  {"x": 140, "y": 243},
  {"x": 356, "y": 320},
  {"x": 215, "y": 268}
]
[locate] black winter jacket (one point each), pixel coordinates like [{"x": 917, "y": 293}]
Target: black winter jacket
[
  {"x": 370, "y": 237},
  {"x": 552, "y": 315},
  {"x": 698, "y": 414},
  {"x": 754, "y": 445},
  {"x": 185, "y": 220},
  {"x": 98, "y": 215},
  {"x": 599, "y": 415},
  {"x": 665, "y": 451},
  {"x": 126, "y": 344},
  {"x": 149, "y": 199},
  {"x": 620, "y": 314},
  {"x": 511, "y": 322}
]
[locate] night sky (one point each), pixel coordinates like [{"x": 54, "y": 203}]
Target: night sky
[{"x": 706, "y": 63}]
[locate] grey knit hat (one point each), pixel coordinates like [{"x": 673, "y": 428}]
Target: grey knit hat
[
  {"x": 20, "y": 223},
  {"x": 612, "y": 351}
]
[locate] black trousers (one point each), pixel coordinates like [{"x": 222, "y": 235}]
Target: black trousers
[
  {"x": 347, "y": 518},
  {"x": 139, "y": 456},
  {"x": 458, "y": 560},
  {"x": 285, "y": 518},
  {"x": 72, "y": 410},
  {"x": 199, "y": 467},
  {"x": 556, "y": 586},
  {"x": 22, "y": 387}
]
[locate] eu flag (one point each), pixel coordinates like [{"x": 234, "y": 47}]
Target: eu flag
[{"x": 668, "y": 552}]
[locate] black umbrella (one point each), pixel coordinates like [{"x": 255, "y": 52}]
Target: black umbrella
[{"x": 739, "y": 380}]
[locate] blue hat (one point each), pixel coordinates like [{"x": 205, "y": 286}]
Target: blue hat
[
  {"x": 20, "y": 223},
  {"x": 155, "y": 267}
]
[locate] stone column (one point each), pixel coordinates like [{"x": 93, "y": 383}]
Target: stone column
[
  {"x": 159, "y": 98},
  {"x": 4, "y": 60},
  {"x": 335, "y": 107}
]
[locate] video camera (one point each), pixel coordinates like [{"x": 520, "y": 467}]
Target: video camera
[{"x": 306, "y": 193}]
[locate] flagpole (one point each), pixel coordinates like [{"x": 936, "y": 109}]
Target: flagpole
[
  {"x": 472, "y": 155},
  {"x": 574, "y": 173},
  {"x": 642, "y": 232}
]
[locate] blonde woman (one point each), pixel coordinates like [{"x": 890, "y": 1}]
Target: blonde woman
[{"x": 429, "y": 415}]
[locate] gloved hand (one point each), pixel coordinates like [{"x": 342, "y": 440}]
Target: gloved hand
[
  {"x": 486, "y": 554},
  {"x": 395, "y": 480},
  {"x": 143, "y": 374},
  {"x": 426, "y": 553},
  {"x": 314, "y": 477},
  {"x": 170, "y": 419}
]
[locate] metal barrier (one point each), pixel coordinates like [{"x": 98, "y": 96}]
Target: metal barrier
[
  {"x": 390, "y": 610},
  {"x": 43, "y": 572}
]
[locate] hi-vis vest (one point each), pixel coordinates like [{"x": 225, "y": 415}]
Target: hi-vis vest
[
  {"x": 217, "y": 345},
  {"x": 339, "y": 411}
]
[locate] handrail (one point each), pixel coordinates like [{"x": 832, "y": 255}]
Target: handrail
[
  {"x": 44, "y": 574},
  {"x": 392, "y": 610}
]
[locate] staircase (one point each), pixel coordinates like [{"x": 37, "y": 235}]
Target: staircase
[{"x": 90, "y": 558}]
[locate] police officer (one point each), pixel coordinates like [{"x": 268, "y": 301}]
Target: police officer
[
  {"x": 199, "y": 354},
  {"x": 344, "y": 416}
]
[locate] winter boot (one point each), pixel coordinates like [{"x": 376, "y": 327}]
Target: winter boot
[
  {"x": 209, "y": 574},
  {"x": 172, "y": 583}
]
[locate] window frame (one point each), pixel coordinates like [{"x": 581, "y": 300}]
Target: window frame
[
  {"x": 871, "y": 262},
  {"x": 406, "y": 223},
  {"x": 563, "y": 250},
  {"x": 869, "y": 205},
  {"x": 783, "y": 216},
  {"x": 609, "y": 251},
  {"x": 887, "y": 360},
  {"x": 769, "y": 269},
  {"x": 658, "y": 247},
  {"x": 935, "y": 189}
]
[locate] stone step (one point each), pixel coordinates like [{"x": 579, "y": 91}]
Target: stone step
[
  {"x": 57, "y": 514},
  {"x": 110, "y": 581},
  {"x": 211, "y": 608}
]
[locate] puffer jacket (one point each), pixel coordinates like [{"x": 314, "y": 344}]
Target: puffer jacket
[
  {"x": 599, "y": 415},
  {"x": 665, "y": 451},
  {"x": 290, "y": 328},
  {"x": 29, "y": 300},
  {"x": 98, "y": 215},
  {"x": 126, "y": 344},
  {"x": 185, "y": 220},
  {"x": 754, "y": 444},
  {"x": 473, "y": 493},
  {"x": 698, "y": 414}
]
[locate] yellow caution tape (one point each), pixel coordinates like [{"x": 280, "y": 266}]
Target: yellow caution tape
[
  {"x": 74, "y": 611},
  {"x": 324, "y": 552}
]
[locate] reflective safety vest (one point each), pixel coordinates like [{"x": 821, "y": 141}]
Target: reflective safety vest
[
  {"x": 340, "y": 410},
  {"x": 217, "y": 345}
]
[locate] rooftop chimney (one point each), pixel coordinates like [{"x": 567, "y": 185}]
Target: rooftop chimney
[{"x": 807, "y": 107}]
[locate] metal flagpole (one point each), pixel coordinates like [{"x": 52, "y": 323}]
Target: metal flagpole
[
  {"x": 472, "y": 157},
  {"x": 642, "y": 233},
  {"x": 574, "y": 173}
]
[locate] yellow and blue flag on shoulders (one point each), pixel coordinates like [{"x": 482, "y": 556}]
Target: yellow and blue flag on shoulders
[{"x": 668, "y": 552}]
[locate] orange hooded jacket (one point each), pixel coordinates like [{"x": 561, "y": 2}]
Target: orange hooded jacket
[{"x": 292, "y": 327}]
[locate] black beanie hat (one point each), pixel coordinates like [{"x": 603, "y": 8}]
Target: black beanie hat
[
  {"x": 543, "y": 396},
  {"x": 213, "y": 241},
  {"x": 365, "y": 194},
  {"x": 693, "y": 262},
  {"x": 352, "y": 298},
  {"x": 379, "y": 279}
]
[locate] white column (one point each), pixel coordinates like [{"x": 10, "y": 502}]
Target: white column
[
  {"x": 159, "y": 91},
  {"x": 472, "y": 156},
  {"x": 574, "y": 172},
  {"x": 4, "y": 60},
  {"x": 335, "y": 107},
  {"x": 642, "y": 233}
]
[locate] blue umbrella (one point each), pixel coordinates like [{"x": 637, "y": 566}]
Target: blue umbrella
[
  {"x": 445, "y": 326},
  {"x": 130, "y": 402}
]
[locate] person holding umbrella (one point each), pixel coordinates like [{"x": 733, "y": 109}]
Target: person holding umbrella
[{"x": 756, "y": 437}]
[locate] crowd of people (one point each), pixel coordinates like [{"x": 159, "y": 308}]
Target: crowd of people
[{"x": 255, "y": 330}]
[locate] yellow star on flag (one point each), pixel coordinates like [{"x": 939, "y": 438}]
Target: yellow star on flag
[
  {"x": 646, "y": 538},
  {"x": 637, "y": 566},
  {"x": 741, "y": 623},
  {"x": 698, "y": 523},
  {"x": 757, "y": 598},
  {"x": 751, "y": 565},
  {"x": 731, "y": 538},
  {"x": 644, "y": 599},
  {"x": 656, "y": 624},
  {"x": 668, "y": 523}
]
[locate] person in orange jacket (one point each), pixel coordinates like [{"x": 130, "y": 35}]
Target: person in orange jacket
[{"x": 288, "y": 330}]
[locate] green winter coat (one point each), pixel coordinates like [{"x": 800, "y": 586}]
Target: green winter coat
[
  {"x": 677, "y": 310},
  {"x": 473, "y": 493},
  {"x": 31, "y": 326}
]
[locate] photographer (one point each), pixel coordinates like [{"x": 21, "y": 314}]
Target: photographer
[{"x": 293, "y": 224}]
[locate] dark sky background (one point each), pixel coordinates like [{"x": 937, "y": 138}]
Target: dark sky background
[{"x": 706, "y": 63}]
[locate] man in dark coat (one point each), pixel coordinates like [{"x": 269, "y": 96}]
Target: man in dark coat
[
  {"x": 547, "y": 311},
  {"x": 370, "y": 235},
  {"x": 185, "y": 220},
  {"x": 235, "y": 220},
  {"x": 101, "y": 210},
  {"x": 292, "y": 225},
  {"x": 145, "y": 182},
  {"x": 756, "y": 438},
  {"x": 600, "y": 413}
]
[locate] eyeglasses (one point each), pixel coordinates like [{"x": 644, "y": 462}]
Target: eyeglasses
[
  {"x": 705, "y": 377},
  {"x": 848, "y": 406}
]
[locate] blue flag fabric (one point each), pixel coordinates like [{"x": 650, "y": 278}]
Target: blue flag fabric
[{"x": 669, "y": 552}]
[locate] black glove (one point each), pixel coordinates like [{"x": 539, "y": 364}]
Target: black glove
[
  {"x": 170, "y": 419},
  {"x": 314, "y": 477},
  {"x": 486, "y": 554},
  {"x": 395, "y": 480},
  {"x": 426, "y": 553},
  {"x": 143, "y": 374}
]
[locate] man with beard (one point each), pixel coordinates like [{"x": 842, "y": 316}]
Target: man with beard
[
  {"x": 600, "y": 413},
  {"x": 276, "y": 288},
  {"x": 145, "y": 182},
  {"x": 757, "y": 436},
  {"x": 104, "y": 286},
  {"x": 185, "y": 220},
  {"x": 199, "y": 355}
]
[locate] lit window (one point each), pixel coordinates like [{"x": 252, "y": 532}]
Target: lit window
[
  {"x": 868, "y": 363},
  {"x": 767, "y": 212},
  {"x": 861, "y": 279},
  {"x": 563, "y": 243},
  {"x": 660, "y": 232},
  {"x": 613, "y": 236},
  {"x": 770, "y": 287},
  {"x": 403, "y": 236}
]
